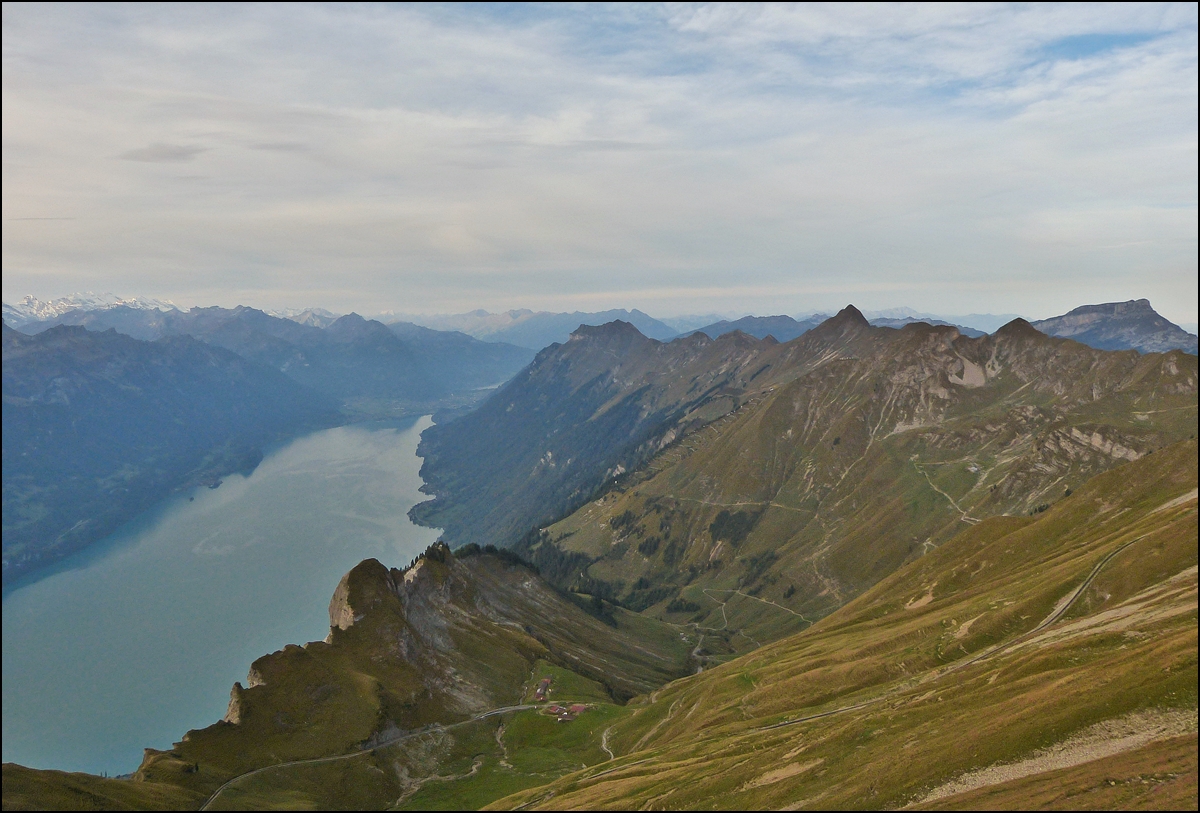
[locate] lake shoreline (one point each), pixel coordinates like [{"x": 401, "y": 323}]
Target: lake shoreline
[{"x": 140, "y": 636}]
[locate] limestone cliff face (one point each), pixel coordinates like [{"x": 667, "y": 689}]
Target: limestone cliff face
[
  {"x": 1132, "y": 325},
  {"x": 341, "y": 616},
  {"x": 233, "y": 714}
]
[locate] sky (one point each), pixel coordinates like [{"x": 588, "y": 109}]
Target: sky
[{"x": 674, "y": 158}]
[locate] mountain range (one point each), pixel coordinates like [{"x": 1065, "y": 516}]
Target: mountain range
[
  {"x": 369, "y": 368},
  {"x": 1110, "y": 326},
  {"x": 865, "y": 567},
  {"x": 110, "y": 409},
  {"x": 535, "y": 330},
  {"x": 785, "y": 328},
  {"x": 99, "y": 426},
  {"x": 31, "y": 309},
  {"x": 649, "y": 473}
]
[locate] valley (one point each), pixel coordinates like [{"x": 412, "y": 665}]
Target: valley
[
  {"x": 109, "y": 411},
  {"x": 1063, "y": 641},
  {"x": 787, "y": 478},
  {"x": 534, "y": 406},
  {"x": 869, "y": 567}
]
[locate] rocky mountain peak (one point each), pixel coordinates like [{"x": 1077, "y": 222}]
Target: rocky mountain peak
[
  {"x": 608, "y": 330},
  {"x": 848, "y": 322},
  {"x": 850, "y": 315},
  {"x": 1130, "y": 307},
  {"x": 1016, "y": 329},
  {"x": 1132, "y": 324}
]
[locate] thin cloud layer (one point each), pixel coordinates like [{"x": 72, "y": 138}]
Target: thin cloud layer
[{"x": 684, "y": 158}]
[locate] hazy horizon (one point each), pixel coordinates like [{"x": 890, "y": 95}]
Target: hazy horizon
[
  {"x": 675, "y": 159},
  {"x": 714, "y": 316}
]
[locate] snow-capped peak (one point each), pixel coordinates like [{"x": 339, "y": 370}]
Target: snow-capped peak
[{"x": 33, "y": 309}]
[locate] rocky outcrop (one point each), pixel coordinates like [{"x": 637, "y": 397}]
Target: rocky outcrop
[{"x": 233, "y": 714}]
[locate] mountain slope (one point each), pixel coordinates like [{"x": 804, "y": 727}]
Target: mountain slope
[
  {"x": 1132, "y": 325},
  {"x": 1070, "y": 633},
  {"x": 580, "y": 413},
  {"x": 99, "y": 426},
  {"x": 884, "y": 446}
]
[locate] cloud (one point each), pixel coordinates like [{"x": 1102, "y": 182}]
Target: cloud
[
  {"x": 159, "y": 153},
  {"x": 446, "y": 158},
  {"x": 281, "y": 146}
]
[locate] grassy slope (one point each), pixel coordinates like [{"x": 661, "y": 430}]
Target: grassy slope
[
  {"x": 841, "y": 489},
  {"x": 905, "y": 646},
  {"x": 29, "y": 789},
  {"x": 1159, "y": 776},
  {"x": 427, "y": 650}
]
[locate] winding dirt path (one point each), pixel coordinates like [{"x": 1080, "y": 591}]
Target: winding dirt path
[
  {"x": 967, "y": 518},
  {"x": 339, "y": 757},
  {"x": 604, "y": 742}
]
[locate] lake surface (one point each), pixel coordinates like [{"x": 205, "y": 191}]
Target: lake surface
[{"x": 140, "y": 638}]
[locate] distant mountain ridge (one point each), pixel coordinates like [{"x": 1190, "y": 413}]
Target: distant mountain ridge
[
  {"x": 31, "y": 309},
  {"x": 535, "y": 330},
  {"x": 370, "y": 368},
  {"x": 100, "y": 426},
  {"x": 913, "y": 320},
  {"x": 979, "y": 322},
  {"x": 1131, "y": 325},
  {"x": 783, "y": 328}
]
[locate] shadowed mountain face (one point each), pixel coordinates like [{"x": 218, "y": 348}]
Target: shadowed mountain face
[
  {"x": 581, "y": 413},
  {"x": 99, "y": 426},
  {"x": 370, "y": 368},
  {"x": 797, "y": 473},
  {"x": 1132, "y": 325}
]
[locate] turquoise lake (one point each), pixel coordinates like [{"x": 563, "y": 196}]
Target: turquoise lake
[{"x": 138, "y": 639}]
